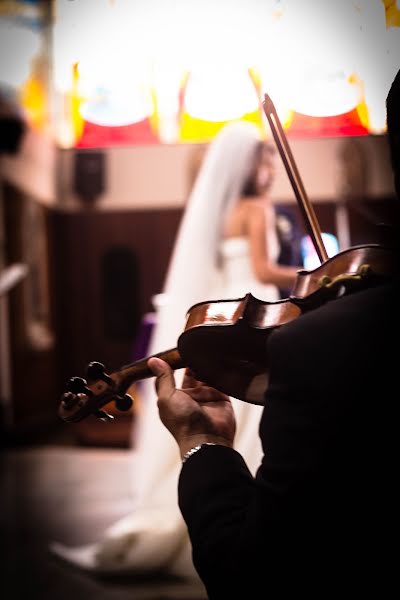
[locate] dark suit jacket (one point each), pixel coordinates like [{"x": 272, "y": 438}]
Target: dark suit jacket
[{"x": 318, "y": 519}]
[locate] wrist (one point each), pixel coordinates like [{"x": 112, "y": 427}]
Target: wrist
[
  {"x": 196, "y": 449},
  {"x": 193, "y": 441}
]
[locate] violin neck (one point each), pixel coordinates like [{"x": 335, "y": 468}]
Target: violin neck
[
  {"x": 138, "y": 370},
  {"x": 305, "y": 206}
]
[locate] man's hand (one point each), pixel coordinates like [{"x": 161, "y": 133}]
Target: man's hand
[{"x": 194, "y": 414}]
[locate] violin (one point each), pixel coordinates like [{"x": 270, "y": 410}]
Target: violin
[{"x": 224, "y": 341}]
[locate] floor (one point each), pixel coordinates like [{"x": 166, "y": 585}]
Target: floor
[{"x": 59, "y": 491}]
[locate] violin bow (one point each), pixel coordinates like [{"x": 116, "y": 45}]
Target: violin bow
[{"x": 295, "y": 179}]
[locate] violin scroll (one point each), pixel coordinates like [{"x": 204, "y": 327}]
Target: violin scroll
[{"x": 85, "y": 397}]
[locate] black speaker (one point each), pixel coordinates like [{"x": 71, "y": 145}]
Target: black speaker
[{"x": 89, "y": 174}]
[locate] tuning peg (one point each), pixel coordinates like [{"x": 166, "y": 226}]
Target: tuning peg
[
  {"x": 123, "y": 403},
  {"x": 77, "y": 385},
  {"x": 95, "y": 370},
  {"x": 103, "y": 415},
  {"x": 69, "y": 400}
]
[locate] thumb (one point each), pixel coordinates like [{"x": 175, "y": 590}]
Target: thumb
[{"x": 165, "y": 382}]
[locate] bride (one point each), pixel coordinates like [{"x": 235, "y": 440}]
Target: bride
[{"x": 226, "y": 246}]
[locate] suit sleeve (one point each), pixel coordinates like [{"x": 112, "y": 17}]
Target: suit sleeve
[{"x": 215, "y": 489}]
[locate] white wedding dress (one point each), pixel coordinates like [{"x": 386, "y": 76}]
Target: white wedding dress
[{"x": 153, "y": 536}]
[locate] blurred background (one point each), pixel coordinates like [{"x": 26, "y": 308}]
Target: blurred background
[{"x": 105, "y": 106}]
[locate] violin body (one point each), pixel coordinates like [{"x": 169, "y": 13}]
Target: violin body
[
  {"x": 230, "y": 335},
  {"x": 230, "y": 341}
]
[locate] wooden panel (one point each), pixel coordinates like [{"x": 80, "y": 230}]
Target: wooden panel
[
  {"x": 32, "y": 349},
  {"x": 82, "y": 243}
]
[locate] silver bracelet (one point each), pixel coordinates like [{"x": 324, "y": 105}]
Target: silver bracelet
[{"x": 196, "y": 449}]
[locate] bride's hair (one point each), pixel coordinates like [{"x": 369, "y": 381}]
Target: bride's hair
[{"x": 264, "y": 153}]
